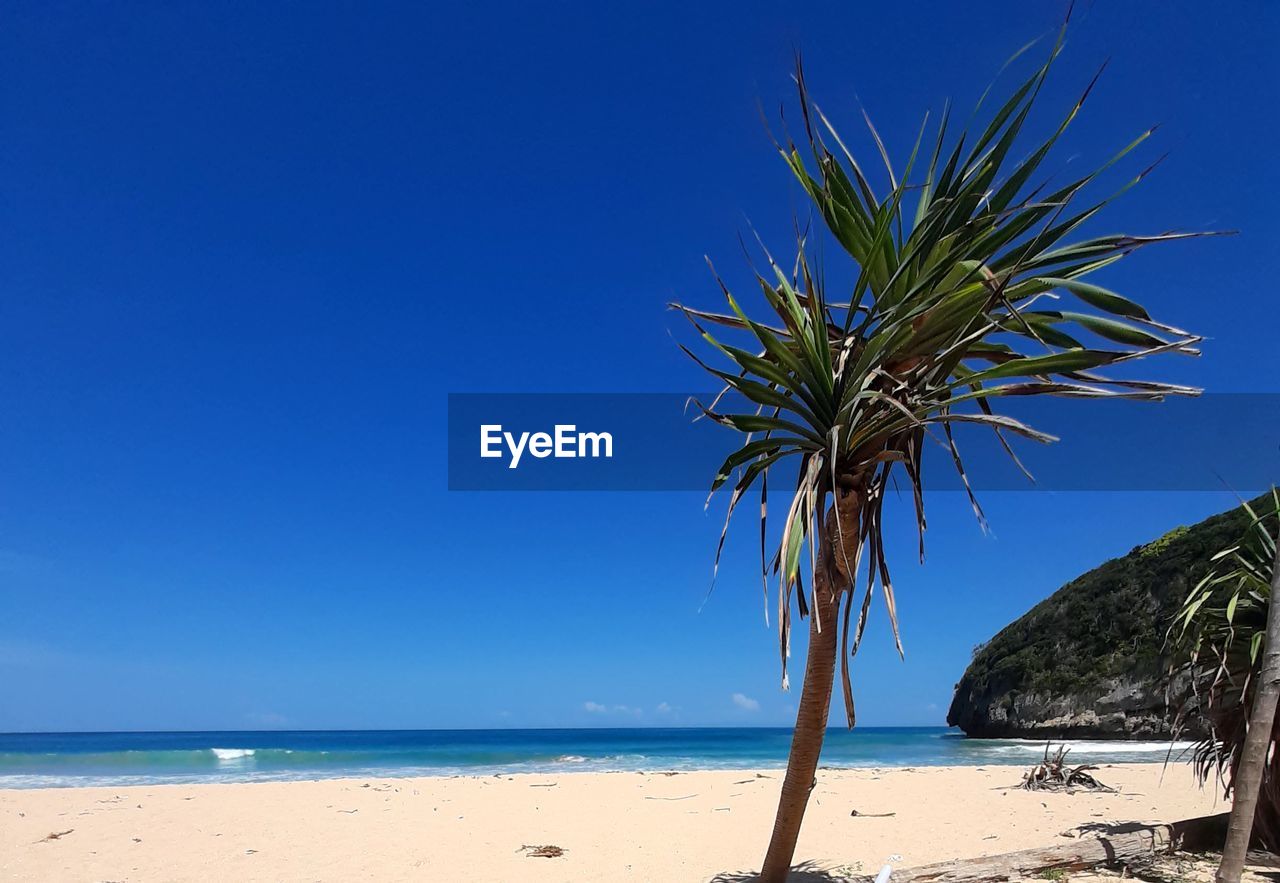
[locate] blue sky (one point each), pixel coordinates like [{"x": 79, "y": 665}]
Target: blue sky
[{"x": 248, "y": 251}]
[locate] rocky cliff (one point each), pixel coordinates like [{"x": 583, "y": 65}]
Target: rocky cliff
[{"x": 1088, "y": 661}]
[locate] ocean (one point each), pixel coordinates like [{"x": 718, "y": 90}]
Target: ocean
[{"x": 36, "y": 760}]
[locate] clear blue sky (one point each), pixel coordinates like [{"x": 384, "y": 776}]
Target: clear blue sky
[{"x": 248, "y": 249}]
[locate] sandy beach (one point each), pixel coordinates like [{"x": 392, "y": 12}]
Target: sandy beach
[{"x": 611, "y": 826}]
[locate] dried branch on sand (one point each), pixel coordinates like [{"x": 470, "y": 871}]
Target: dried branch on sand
[
  {"x": 547, "y": 851},
  {"x": 1053, "y": 774},
  {"x": 55, "y": 835}
]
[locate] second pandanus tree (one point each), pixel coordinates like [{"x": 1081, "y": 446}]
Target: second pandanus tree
[
  {"x": 1228, "y": 637},
  {"x": 972, "y": 285}
]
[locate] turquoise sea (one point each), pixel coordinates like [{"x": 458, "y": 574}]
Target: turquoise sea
[{"x": 34, "y": 760}]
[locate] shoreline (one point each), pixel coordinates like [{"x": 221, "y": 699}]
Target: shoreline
[
  {"x": 232, "y": 779},
  {"x": 652, "y": 825},
  {"x": 138, "y": 759},
  {"x": 394, "y": 777}
]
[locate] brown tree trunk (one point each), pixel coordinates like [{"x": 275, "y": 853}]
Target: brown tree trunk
[
  {"x": 1120, "y": 846},
  {"x": 1253, "y": 757},
  {"x": 806, "y": 740}
]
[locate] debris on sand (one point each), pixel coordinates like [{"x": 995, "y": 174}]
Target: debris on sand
[
  {"x": 1053, "y": 774},
  {"x": 55, "y": 835},
  {"x": 547, "y": 851}
]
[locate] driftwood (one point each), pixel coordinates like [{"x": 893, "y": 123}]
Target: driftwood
[
  {"x": 1053, "y": 774},
  {"x": 1130, "y": 844},
  {"x": 548, "y": 851}
]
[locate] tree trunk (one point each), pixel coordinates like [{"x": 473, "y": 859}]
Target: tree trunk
[
  {"x": 1119, "y": 846},
  {"x": 806, "y": 740},
  {"x": 1253, "y": 757}
]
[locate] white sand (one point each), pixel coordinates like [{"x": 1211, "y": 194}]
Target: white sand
[{"x": 612, "y": 826}]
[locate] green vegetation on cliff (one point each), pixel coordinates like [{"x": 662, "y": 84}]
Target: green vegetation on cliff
[{"x": 1105, "y": 626}]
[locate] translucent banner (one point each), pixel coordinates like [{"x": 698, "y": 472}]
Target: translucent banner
[{"x": 652, "y": 442}]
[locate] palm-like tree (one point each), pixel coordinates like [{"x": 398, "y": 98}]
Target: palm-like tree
[
  {"x": 945, "y": 319},
  {"x": 1228, "y": 633}
]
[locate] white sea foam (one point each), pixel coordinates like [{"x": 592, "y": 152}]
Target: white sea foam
[
  {"x": 1097, "y": 747},
  {"x": 225, "y": 754},
  {"x": 571, "y": 758}
]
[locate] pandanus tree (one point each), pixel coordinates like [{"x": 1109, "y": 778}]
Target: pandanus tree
[
  {"x": 960, "y": 272},
  {"x": 1228, "y": 635}
]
